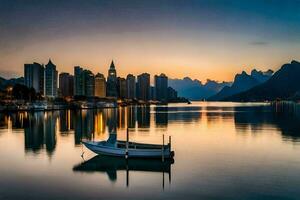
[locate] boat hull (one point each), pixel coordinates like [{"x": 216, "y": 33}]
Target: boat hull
[{"x": 103, "y": 149}]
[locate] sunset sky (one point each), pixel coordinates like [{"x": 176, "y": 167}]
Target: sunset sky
[{"x": 200, "y": 39}]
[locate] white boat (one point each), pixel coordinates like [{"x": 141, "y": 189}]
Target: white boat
[{"x": 113, "y": 147}]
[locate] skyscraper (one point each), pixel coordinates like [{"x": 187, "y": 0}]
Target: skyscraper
[
  {"x": 66, "y": 84},
  {"x": 122, "y": 89},
  {"x": 78, "y": 81},
  {"x": 84, "y": 82},
  {"x": 161, "y": 87},
  {"x": 100, "y": 85},
  {"x": 89, "y": 83},
  {"x": 50, "y": 80},
  {"x": 130, "y": 85},
  {"x": 143, "y": 87},
  {"x": 152, "y": 93},
  {"x": 34, "y": 77},
  {"x": 111, "y": 85}
]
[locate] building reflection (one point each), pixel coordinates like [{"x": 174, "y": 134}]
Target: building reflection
[
  {"x": 161, "y": 116},
  {"x": 50, "y": 131},
  {"x": 84, "y": 125},
  {"x": 143, "y": 116},
  {"x": 65, "y": 121},
  {"x": 40, "y": 132},
  {"x": 34, "y": 136},
  {"x": 131, "y": 116},
  {"x": 122, "y": 117},
  {"x": 99, "y": 125},
  {"x": 41, "y": 128}
]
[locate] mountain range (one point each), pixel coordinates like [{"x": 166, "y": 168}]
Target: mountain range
[
  {"x": 284, "y": 84},
  {"x": 242, "y": 82},
  {"x": 10, "y": 82},
  {"x": 194, "y": 89}
]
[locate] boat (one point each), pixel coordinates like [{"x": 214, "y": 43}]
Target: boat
[{"x": 126, "y": 149}]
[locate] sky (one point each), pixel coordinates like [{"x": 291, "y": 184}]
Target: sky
[{"x": 202, "y": 39}]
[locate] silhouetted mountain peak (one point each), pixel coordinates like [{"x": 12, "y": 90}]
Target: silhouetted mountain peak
[
  {"x": 294, "y": 62},
  {"x": 187, "y": 78},
  {"x": 269, "y": 72},
  {"x": 195, "y": 89},
  {"x": 284, "y": 84},
  {"x": 243, "y": 82}
]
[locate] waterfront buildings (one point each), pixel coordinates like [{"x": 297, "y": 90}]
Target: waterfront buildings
[
  {"x": 50, "y": 80},
  {"x": 161, "y": 87},
  {"x": 34, "y": 77},
  {"x": 78, "y": 82},
  {"x": 143, "y": 87},
  {"x": 111, "y": 85},
  {"x": 122, "y": 89},
  {"x": 152, "y": 93},
  {"x": 130, "y": 87},
  {"x": 88, "y": 83},
  {"x": 66, "y": 84},
  {"x": 84, "y": 82},
  {"x": 100, "y": 85}
]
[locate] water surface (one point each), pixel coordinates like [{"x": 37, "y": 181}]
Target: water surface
[{"x": 222, "y": 151}]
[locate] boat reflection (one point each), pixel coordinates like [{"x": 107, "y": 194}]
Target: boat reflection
[{"x": 110, "y": 165}]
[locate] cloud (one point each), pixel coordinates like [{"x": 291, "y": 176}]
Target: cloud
[{"x": 259, "y": 43}]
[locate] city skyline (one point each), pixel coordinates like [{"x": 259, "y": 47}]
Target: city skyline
[
  {"x": 47, "y": 82},
  {"x": 198, "y": 39}
]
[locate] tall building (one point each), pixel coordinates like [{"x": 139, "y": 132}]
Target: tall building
[
  {"x": 161, "y": 87},
  {"x": 84, "y": 82},
  {"x": 34, "y": 77},
  {"x": 152, "y": 93},
  {"x": 122, "y": 89},
  {"x": 50, "y": 80},
  {"x": 100, "y": 85},
  {"x": 78, "y": 81},
  {"x": 111, "y": 85},
  {"x": 130, "y": 87},
  {"x": 88, "y": 83},
  {"x": 143, "y": 87},
  {"x": 66, "y": 84}
]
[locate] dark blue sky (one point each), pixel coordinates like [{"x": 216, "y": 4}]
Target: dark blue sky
[{"x": 202, "y": 39}]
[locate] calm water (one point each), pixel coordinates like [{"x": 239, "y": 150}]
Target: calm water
[{"x": 222, "y": 151}]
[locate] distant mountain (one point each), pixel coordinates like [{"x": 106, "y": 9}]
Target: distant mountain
[
  {"x": 261, "y": 76},
  {"x": 194, "y": 89},
  {"x": 242, "y": 82},
  {"x": 284, "y": 84},
  {"x": 10, "y": 82}
]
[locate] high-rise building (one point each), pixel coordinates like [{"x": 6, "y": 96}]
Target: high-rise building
[
  {"x": 122, "y": 89},
  {"x": 100, "y": 85},
  {"x": 152, "y": 93},
  {"x": 89, "y": 83},
  {"x": 111, "y": 85},
  {"x": 161, "y": 87},
  {"x": 143, "y": 87},
  {"x": 78, "y": 81},
  {"x": 66, "y": 84},
  {"x": 50, "y": 80},
  {"x": 130, "y": 85},
  {"x": 34, "y": 77}
]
